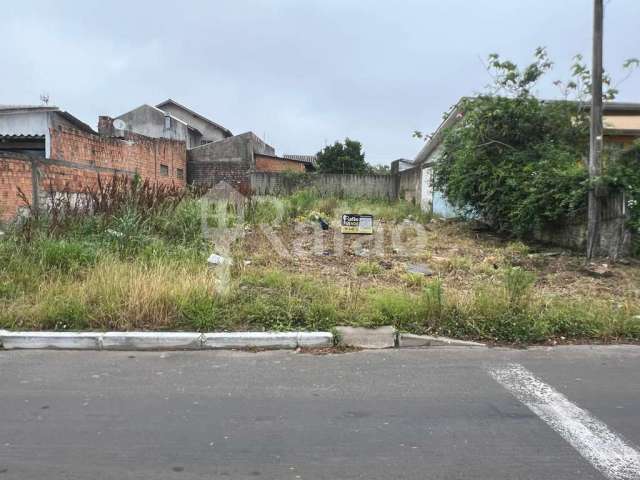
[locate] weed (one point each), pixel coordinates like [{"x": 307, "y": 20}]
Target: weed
[
  {"x": 517, "y": 284},
  {"x": 368, "y": 269}
]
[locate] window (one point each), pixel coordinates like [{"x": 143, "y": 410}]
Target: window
[
  {"x": 180, "y": 173},
  {"x": 167, "y": 122},
  {"x": 164, "y": 170}
]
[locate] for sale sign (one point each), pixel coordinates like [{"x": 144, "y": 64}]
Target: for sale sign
[{"x": 356, "y": 223}]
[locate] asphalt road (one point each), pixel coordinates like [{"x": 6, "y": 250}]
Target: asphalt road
[{"x": 410, "y": 414}]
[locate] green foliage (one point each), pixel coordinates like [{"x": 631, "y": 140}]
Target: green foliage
[
  {"x": 365, "y": 269},
  {"x": 516, "y": 162},
  {"x": 622, "y": 172},
  {"x": 63, "y": 255},
  {"x": 517, "y": 285},
  {"x": 379, "y": 169},
  {"x": 508, "y": 77},
  {"x": 346, "y": 157}
]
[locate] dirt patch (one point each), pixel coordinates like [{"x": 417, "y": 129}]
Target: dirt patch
[{"x": 460, "y": 256}]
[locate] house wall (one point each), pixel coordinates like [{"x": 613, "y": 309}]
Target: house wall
[
  {"x": 209, "y": 132},
  {"x": 266, "y": 163},
  {"x": 622, "y": 122},
  {"x": 624, "y": 140},
  {"x": 150, "y": 122},
  {"x": 27, "y": 123},
  {"x": 230, "y": 160}
]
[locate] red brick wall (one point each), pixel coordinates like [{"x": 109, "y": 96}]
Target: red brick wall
[
  {"x": 625, "y": 141},
  {"x": 266, "y": 163},
  {"x": 78, "y": 157},
  {"x": 15, "y": 172},
  {"x": 135, "y": 153}
]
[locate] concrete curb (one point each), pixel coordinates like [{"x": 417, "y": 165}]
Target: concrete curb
[
  {"x": 390, "y": 337},
  {"x": 385, "y": 337},
  {"x": 136, "y": 341},
  {"x": 408, "y": 340}
]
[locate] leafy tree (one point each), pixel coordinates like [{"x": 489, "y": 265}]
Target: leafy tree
[
  {"x": 515, "y": 160},
  {"x": 346, "y": 157},
  {"x": 379, "y": 169}
]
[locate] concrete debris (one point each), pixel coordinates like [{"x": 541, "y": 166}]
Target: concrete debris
[
  {"x": 115, "y": 233},
  {"x": 387, "y": 265},
  {"x": 420, "y": 269},
  {"x": 598, "y": 270},
  {"x": 215, "y": 259},
  {"x": 545, "y": 254}
]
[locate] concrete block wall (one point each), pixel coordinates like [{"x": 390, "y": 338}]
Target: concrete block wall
[
  {"x": 275, "y": 183},
  {"x": 227, "y": 160},
  {"x": 408, "y": 185},
  {"x": 615, "y": 240}
]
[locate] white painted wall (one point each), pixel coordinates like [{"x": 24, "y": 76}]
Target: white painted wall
[{"x": 27, "y": 123}]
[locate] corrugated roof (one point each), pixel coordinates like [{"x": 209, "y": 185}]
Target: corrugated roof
[
  {"x": 21, "y": 137},
  {"x": 309, "y": 159}
]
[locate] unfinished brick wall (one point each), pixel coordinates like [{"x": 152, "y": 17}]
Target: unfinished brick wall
[
  {"x": 77, "y": 158},
  {"x": 268, "y": 163},
  {"x": 15, "y": 173},
  {"x": 134, "y": 153}
]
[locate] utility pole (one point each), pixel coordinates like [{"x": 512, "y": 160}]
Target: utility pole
[{"x": 596, "y": 137}]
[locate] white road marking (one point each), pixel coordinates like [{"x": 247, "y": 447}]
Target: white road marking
[{"x": 606, "y": 451}]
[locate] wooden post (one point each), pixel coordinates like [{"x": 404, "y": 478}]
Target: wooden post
[{"x": 596, "y": 137}]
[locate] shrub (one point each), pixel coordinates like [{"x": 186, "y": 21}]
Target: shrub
[
  {"x": 368, "y": 269},
  {"x": 516, "y": 162},
  {"x": 63, "y": 255}
]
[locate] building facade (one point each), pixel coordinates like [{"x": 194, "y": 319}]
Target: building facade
[{"x": 44, "y": 150}]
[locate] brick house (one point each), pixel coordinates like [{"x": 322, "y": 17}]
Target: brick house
[
  {"x": 43, "y": 148},
  {"x": 214, "y": 154}
]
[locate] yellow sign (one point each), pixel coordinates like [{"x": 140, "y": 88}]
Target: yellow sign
[{"x": 358, "y": 224}]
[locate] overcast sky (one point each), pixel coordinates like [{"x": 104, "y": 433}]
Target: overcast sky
[{"x": 300, "y": 72}]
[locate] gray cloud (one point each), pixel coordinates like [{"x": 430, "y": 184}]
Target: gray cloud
[{"x": 301, "y": 72}]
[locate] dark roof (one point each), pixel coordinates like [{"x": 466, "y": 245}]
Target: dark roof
[
  {"x": 79, "y": 124},
  {"x": 307, "y": 159},
  {"x": 195, "y": 114},
  {"x": 608, "y": 107}
]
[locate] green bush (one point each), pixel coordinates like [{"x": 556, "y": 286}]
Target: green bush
[
  {"x": 516, "y": 162},
  {"x": 364, "y": 269},
  {"x": 63, "y": 255}
]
